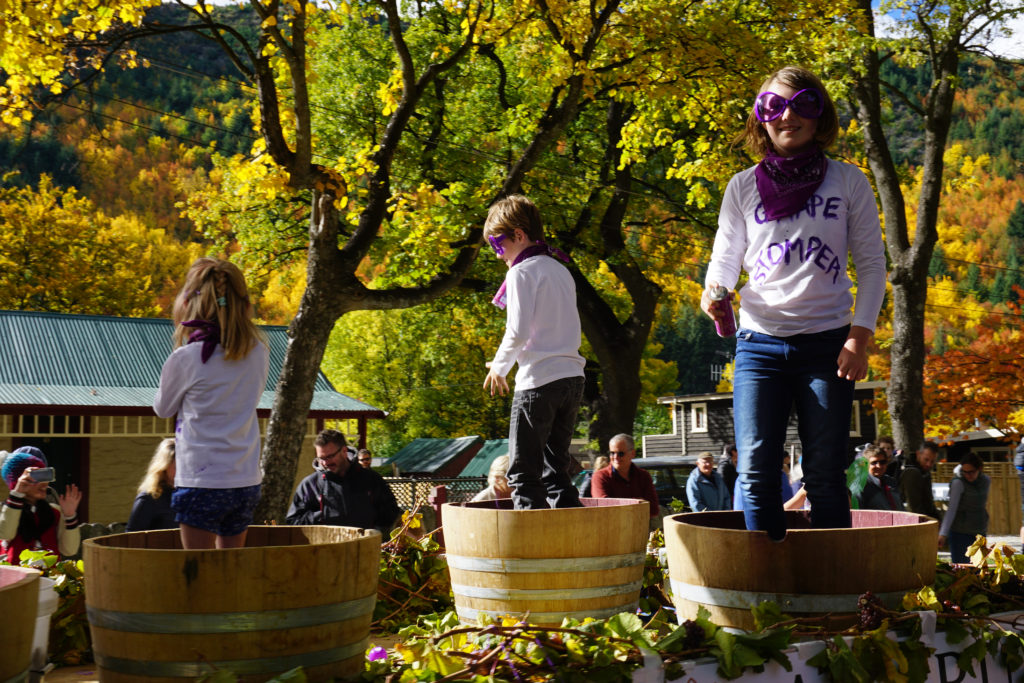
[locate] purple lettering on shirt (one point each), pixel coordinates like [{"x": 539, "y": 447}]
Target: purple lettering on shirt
[
  {"x": 759, "y": 216},
  {"x": 813, "y": 244},
  {"x": 823, "y": 254},
  {"x": 796, "y": 245},
  {"x": 812, "y": 205},
  {"x": 831, "y": 207},
  {"x": 833, "y": 267},
  {"x": 760, "y": 270},
  {"x": 774, "y": 257}
]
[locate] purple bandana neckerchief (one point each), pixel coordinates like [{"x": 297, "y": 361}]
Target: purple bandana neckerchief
[
  {"x": 786, "y": 183},
  {"x": 541, "y": 248},
  {"x": 206, "y": 332}
]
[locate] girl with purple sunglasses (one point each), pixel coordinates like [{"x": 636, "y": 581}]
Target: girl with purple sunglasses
[{"x": 790, "y": 223}]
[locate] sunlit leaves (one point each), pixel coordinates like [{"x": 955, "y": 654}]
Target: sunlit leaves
[{"x": 60, "y": 254}]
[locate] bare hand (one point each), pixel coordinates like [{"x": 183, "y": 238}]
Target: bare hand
[
  {"x": 494, "y": 381},
  {"x": 26, "y": 483},
  {"x": 710, "y": 307},
  {"x": 942, "y": 541},
  {"x": 70, "y": 500},
  {"x": 853, "y": 359}
]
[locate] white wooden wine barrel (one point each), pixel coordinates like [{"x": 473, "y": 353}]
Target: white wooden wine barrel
[
  {"x": 19, "y": 596},
  {"x": 293, "y": 596},
  {"x": 716, "y": 563},
  {"x": 546, "y": 564}
]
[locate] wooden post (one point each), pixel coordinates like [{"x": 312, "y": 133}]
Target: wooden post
[{"x": 438, "y": 497}]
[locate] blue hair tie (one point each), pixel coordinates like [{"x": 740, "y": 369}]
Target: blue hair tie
[{"x": 222, "y": 301}]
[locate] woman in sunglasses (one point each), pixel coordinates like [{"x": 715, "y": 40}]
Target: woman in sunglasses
[
  {"x": 790, "y": 222},
  {"x": 966, "y": 516}
]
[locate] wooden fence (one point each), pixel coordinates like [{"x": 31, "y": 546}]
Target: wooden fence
[{"x": 1004, "y": 504}]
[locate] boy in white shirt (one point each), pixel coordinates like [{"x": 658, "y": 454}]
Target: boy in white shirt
[{"x": 542, "y": 334}]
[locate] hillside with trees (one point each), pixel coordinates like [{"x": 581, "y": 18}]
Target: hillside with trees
[{"x": 166, "y": 159}]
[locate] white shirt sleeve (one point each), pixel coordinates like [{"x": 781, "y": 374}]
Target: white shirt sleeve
[
  {"x": 730, "y": 240},
  {"x": 175, "y": 380},
  {"x": 868, "y": 251},
  {"x": 522, "y": 303}
]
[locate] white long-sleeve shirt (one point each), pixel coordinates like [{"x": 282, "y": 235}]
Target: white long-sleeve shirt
[
  {"x": 217, "y": 437},
  {"x": 542, "y": 325},
  {"x": 797, "y": 266}
]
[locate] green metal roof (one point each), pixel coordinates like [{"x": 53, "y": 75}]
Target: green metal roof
[
  {"x": 480, "y": 465},
  {"x": 430, "y": 455},
  {"x": 94, "y": 361}
]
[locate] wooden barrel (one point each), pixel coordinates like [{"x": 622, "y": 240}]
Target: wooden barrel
[
  {"x": 293, "y": 596},
  {"x": 19, "y": 595},
  {"x": 716, "y": 563},
  {"x": 547, "y": 564}
]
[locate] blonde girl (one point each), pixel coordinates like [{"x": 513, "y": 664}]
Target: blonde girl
[
  {"x": 212, "y": 382},
  {"x": 152, "y": 507}
]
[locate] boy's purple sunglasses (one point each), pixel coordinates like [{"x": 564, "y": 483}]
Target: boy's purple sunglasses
[
  {"x": 808, "y": 103},
  {"x": 496, "y": 243}
]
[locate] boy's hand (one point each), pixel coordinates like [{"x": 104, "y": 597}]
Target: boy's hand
[{"x": 495, "y": 381}]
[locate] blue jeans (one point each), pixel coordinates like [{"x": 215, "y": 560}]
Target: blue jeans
[
  {"x": 773, "y": 375},
  {"x": 543, "y": 420}
]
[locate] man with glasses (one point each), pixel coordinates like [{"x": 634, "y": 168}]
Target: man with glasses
[
  {"x": 966, "y": 517},
  {"x": 880, "y": 491},
  {"x": 622, "y": 479},
  {"x": 342, "y": 492},
  {"x": 365, "y": 458}
]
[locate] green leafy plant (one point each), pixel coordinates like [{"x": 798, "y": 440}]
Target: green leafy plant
[
  {"x": 413, "y": 576},
  {"x": 70, "y": 642}
]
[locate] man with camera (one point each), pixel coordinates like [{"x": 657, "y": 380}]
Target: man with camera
[
  {"x": 341, "y": 492},
  {"x": 27, "y": 520}
]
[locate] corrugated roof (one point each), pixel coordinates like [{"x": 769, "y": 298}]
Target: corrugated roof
[
  {"x": 56, "y": 359},
  {"x": 480, "y": 465},
  {"x": 430, "y": 455}
]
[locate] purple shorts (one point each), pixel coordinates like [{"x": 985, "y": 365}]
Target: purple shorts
[{"x": 225, "y": 512}]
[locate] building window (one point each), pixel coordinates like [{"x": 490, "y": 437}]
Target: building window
[
  {"x": 699, "y": 417},
  {"x": 855, "y": 419}
]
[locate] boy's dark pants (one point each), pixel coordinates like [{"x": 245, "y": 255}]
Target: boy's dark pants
[{"x": 543, "y": 421}]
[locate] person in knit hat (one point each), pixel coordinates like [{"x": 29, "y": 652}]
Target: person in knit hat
[{"x": 27, "y": 520}]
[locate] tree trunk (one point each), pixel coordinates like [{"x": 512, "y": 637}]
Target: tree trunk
[
  {"x": 308, "y": 335},
  {"x": 909, "y": 275}
]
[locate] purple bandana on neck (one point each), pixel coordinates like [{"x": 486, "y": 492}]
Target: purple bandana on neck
[
  {"x": 540, "y": 248},
  {"x": 786, "y": 183},
  {"x": 205, "y": 331}
]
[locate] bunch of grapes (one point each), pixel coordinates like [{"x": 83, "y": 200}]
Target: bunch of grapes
[
  {"x": 694, "y": 635},
  {"x": 872, "y": 611}
]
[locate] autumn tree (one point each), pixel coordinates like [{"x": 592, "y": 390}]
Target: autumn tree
[
  {"x": 979, "y": 380},
  {"x": 60, "y": 254},
  {"x": 937, "y": 37},
  {"x": 647, "y": 82}
]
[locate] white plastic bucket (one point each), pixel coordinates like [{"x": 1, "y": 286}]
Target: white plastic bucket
[{"x": 47, "y": 606}]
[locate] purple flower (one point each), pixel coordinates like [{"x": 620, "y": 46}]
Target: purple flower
[{"x": 376, "y": 654}]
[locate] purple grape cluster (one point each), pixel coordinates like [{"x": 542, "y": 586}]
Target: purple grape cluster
[
  {"x": 872, "y": 611},
  {"x": 694, "y": 635}
]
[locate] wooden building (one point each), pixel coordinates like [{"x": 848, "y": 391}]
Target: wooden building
[
  {"x": 704, "y": 422},
  {"x": 81, "y": 388}
]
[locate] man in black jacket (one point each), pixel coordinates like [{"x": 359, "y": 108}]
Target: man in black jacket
[
  {"x": 916, "y": 481},
  {"x": 341, "y": 492}
]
